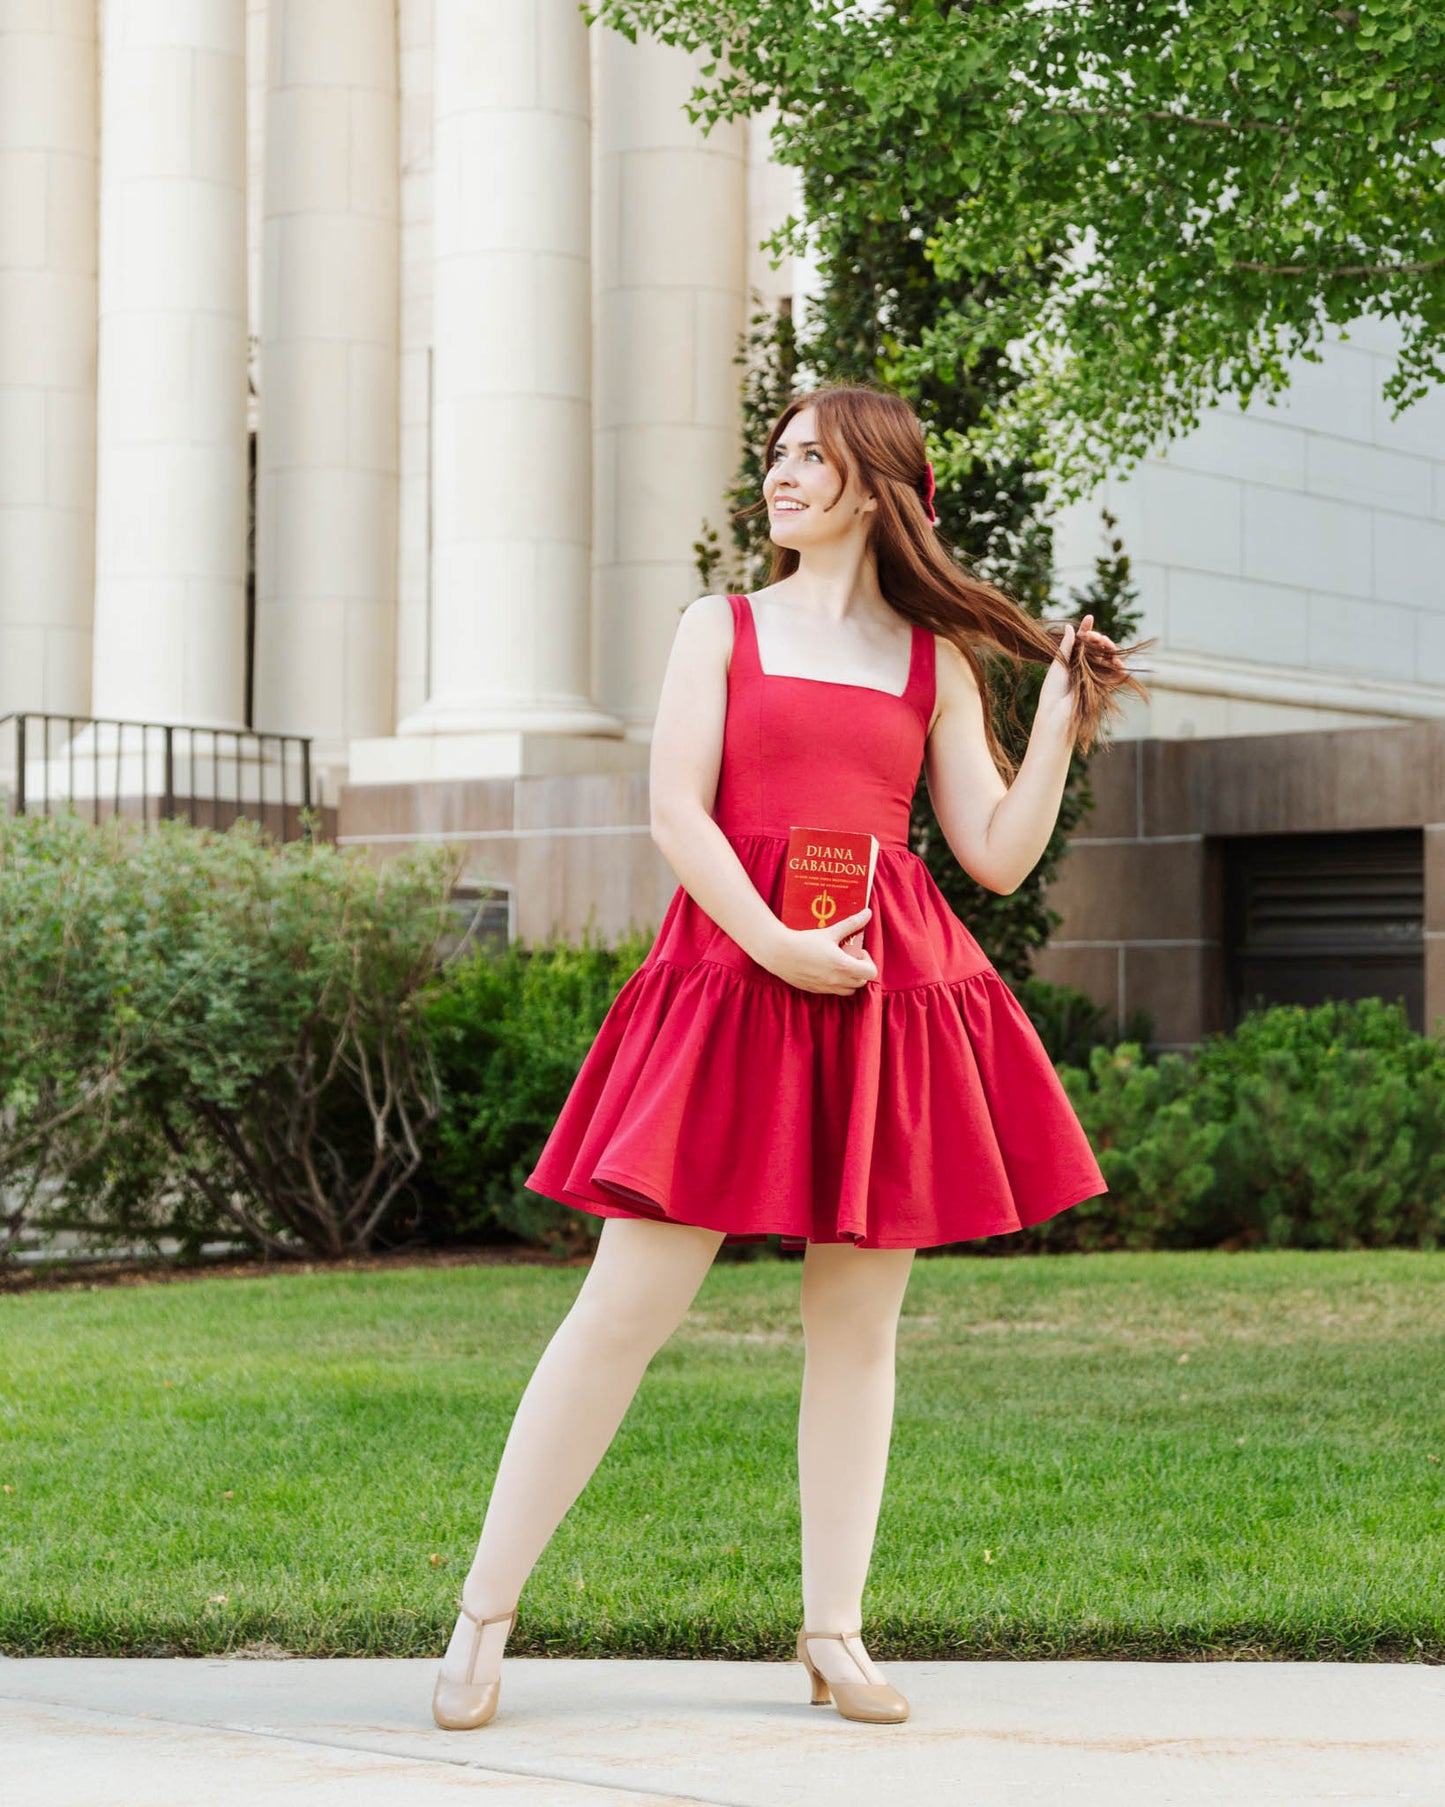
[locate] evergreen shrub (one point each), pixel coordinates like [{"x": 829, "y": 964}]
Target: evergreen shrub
[
  {"x": 1318, "y": 1127},
  {"x": 508, "y": 1032}
]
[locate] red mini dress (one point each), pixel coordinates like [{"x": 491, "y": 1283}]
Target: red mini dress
[{"x": 919, "y": 1109}]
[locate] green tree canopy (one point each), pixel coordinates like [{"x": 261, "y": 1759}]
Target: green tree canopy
[{"x": 1152, "y": 204}]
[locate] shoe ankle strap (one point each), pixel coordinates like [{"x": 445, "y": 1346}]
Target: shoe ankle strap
[{"x": 495, "y": 1619}]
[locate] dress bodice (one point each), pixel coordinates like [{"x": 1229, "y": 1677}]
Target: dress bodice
[{"x": 817, "y": 753}]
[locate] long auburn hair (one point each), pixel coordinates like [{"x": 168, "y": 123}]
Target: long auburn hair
[{"x": 926, "y": 583}]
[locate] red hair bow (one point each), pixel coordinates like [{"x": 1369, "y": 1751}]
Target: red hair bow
[{"x": 928, "y": 494}]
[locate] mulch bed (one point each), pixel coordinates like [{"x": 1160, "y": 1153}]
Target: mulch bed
[{"x": 158, "y": 1271}]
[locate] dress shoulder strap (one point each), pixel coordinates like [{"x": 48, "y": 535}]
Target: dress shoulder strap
[
  {"x": 745, "y": 642},
  {"x": 922, "y": 687}
]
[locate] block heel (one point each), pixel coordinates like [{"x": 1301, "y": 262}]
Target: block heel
[{"x": 878, "y": 1703}]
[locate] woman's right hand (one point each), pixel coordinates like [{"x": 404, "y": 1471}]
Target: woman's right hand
[{"x": 812, "y": 960}]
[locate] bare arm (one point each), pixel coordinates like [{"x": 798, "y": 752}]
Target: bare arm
[
  {"x": 687, "y": 743},
  {"x": 687, "y": 740},
  {"x": 997, "y": 831}
]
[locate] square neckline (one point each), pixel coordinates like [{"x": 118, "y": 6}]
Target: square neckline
[{"x": 787, "y": 677}]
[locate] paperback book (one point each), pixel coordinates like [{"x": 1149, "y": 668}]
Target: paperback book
[{"x": 828, "y": 875}]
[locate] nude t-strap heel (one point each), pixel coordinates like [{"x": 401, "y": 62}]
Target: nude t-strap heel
[
  {"x": 462, "y": 1706},
  {"x": 878, "y": 1702}
]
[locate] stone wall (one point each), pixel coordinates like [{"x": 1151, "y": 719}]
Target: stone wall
[{"x": 1142, "y": 887}]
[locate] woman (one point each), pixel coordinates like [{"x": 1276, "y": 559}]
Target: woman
[{"x": 752, "y": 1079}]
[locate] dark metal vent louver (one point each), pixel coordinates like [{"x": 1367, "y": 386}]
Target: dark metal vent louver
[{"x": 1310, "y": 917}]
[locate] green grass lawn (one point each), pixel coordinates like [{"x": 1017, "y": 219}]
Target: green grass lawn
[{"x": 1152, "y": 1455}]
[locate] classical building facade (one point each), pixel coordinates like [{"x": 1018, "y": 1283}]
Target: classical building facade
[
  {"x": 1272, "y": 823},
  {"x": 454, "y": 291}
]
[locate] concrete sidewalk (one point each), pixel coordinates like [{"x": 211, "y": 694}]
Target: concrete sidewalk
[{"x": 97, "y": 1732}]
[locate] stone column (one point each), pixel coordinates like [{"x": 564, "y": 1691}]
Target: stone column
[
  {"x": 510, "y": 635},
  {"x": 47, "y": 354},
  {"x": 171, "y": 484},
  {"x": 327, "y": 438},
  {"x": 672, "y": 245},
  {"x": 413, "y": 530}
]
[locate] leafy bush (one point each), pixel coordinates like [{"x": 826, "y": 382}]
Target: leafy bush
[
  {"x": 1303, "y": 1128},
  {"x": 257, "y": 1000},
  {"x": 1335, "y": 1126},
  {"x": 1154, "y": 1152},
  {"x": 509, "y": 1033},
  {"x": 1070, "y": 1023},
  {"x": 64, "y": 1039}
]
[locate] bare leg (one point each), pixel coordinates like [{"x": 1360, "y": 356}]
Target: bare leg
[
  {"x": 643, "y": 1277},
  {"x": 849, "y": 1300}
]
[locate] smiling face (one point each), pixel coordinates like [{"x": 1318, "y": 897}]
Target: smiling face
[{"x": 800, "y": 483}]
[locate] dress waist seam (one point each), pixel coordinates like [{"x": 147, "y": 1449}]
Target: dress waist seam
[
  {"x": 781, "y": 834},
  {"x": 767, "y": 978}
]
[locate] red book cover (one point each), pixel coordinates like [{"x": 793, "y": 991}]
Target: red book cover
[{"x": 828, "y": 875}]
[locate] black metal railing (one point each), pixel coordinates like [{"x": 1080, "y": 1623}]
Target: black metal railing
[{"x": 43, "y": 751}]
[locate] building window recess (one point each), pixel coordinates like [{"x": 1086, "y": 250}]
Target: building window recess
[
  {"x": 1312, "y": 917},
  {"x": 482, "y": 920}
]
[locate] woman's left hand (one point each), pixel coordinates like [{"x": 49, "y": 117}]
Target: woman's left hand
[{"x": 1057, "y": 689}]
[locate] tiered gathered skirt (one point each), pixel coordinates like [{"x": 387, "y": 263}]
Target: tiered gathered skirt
[{"x": 919, "y": 1110}]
